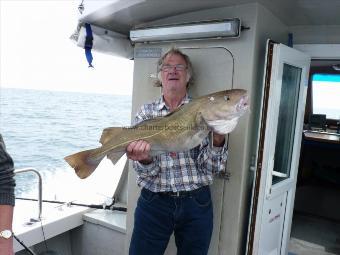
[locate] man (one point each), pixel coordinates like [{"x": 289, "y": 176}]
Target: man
[
  {"x": 7, "y": 200},
  {"x": 175, "y": 196}
]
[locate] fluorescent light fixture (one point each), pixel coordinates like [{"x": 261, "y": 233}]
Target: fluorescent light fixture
[{"x": 185, "y": 31}]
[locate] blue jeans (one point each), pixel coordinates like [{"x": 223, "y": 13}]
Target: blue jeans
[{"x": 157, "y": 216}]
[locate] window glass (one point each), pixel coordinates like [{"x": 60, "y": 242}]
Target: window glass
[
  {"x": 326, "y": 95},
  {"x": 287, "y": 120}
]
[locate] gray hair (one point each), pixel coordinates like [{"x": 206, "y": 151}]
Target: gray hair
[{"x": 175, "y": 51}]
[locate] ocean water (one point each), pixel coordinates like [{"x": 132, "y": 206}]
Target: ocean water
[{"x": 40, "y": 128}]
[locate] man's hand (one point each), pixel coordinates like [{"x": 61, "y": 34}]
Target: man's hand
[
  {"x": 139, "y": 151},
  {"x": 218, "y": 140}
]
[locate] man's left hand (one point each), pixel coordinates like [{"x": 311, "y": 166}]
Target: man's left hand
[{"x": 218, "y": 140}]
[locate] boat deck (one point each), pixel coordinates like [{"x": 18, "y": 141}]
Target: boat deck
[{"x": 313, "y": 235}]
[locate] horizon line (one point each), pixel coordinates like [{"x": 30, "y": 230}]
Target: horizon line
[{"x": 70, "y": 91}]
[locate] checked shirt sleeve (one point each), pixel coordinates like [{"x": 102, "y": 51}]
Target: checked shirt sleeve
[
  {"x": 151, "y": 169},
  {"x": 212, "y": 159}
]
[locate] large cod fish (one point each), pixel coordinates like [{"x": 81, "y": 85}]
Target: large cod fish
[{"x": 181, "y": 130}]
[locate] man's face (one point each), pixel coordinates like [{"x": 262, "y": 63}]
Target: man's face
[{"x": 174, "y": 73}]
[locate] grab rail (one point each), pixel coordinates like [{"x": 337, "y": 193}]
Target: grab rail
[{"x": 33, "y": 170}]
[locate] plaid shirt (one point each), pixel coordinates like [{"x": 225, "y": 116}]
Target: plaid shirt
[{"x": 178, "y": 171}]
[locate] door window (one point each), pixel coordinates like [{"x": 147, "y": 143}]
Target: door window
[{"x": 286, "y": 122}]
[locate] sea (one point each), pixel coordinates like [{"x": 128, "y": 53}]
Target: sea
[{"x": 41, "y": 127}]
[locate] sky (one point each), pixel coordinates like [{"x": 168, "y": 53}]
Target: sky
[{"x": 36, "y": 52}]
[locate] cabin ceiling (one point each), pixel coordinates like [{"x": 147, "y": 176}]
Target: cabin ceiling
[
  {"x": 325, "y": 62},
  {"x": 137, "y": 12}
]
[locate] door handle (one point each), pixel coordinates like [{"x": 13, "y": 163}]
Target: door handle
[{"x": 279, "y": 174}]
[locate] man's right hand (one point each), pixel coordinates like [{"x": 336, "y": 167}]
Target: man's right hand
[{"x": 139, "y": 151}]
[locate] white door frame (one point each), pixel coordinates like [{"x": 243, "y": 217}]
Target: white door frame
[{"x": 265, "y": 194}]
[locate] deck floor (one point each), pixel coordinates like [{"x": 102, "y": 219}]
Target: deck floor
[{"x": 314, "y": 236}]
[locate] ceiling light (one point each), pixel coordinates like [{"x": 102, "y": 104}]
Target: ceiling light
[{"x": 185, "y": 31}]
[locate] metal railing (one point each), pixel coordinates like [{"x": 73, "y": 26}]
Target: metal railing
[{"x": 33, "y": 170}]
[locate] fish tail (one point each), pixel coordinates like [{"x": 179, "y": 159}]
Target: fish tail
[{"x": 82, "y": 163}]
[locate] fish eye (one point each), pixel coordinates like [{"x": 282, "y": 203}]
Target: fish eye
[{"x": 226, "y": 98}]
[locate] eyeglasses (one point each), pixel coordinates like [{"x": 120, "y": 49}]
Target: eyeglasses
[{"x": 167, "y": 68}]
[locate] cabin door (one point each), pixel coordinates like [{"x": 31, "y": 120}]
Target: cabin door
[{"x": 283, "y": 104}]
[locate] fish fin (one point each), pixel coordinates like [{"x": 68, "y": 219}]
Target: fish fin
[
  {"x": 108, "y": 133},
  {"x": 114, "y": 156},
  {"x": 156, "y": 119},
  {"x": 149, "y": 121},
  {"x": 81, "y": 162}
]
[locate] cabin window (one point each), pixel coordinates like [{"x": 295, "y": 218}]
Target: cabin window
[{"x": 326, "y": 95}]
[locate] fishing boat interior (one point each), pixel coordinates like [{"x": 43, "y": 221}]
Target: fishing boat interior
[
  {"x": 316, "y": 221},
  {"x": 281, "y": 193}
]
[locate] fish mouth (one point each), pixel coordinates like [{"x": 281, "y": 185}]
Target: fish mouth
[{"x": 243, "y": 105}]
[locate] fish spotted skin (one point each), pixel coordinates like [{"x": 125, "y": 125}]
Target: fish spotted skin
[{"x": 181, "y": 130}]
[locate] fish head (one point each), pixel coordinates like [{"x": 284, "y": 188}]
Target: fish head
[{"x": 222, "y": 110}]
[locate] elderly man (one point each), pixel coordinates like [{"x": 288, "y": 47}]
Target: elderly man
[
  {"x": 175, "y": 196},
  {"x": 7, "y": 200}
]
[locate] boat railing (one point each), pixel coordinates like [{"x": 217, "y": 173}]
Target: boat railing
[{"x": 33, "y": 170}]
